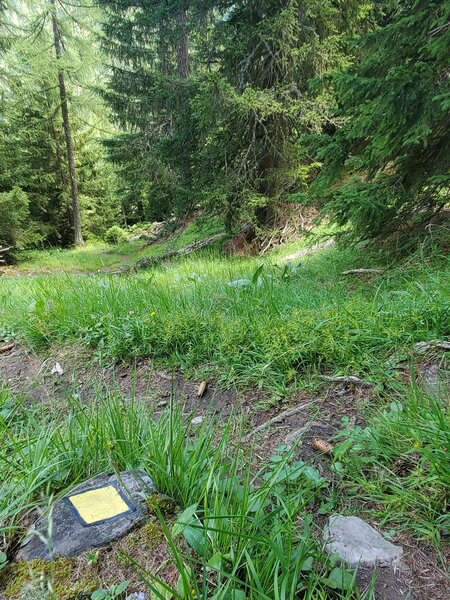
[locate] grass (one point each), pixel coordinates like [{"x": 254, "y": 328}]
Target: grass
[
  {"x": 240, "y": 533},
  {"x": 245, "y": 534},
  {"x": 283, "y": 326},
  {"x": 99, "y": 256},
  {"x": 399, "y": 465}
]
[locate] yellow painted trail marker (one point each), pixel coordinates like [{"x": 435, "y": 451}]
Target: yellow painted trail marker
[{"x": 99, "y": 505}]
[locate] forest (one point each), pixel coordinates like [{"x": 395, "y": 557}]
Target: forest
[
  {"x": 224, "y": 299},
  {"x": 119, "y": 112}
]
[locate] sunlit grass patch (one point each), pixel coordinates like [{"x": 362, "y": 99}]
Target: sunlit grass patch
[
  {"x": 97, "y": 255},
  {"x": 400, "y": 463},
  {"x": 283, "y": 324}
]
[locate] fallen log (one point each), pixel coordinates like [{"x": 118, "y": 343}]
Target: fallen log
[
  {"x": 310, "y": 250},
  {"x": 6, "y": 347},
  {"x": 154, "y": 260},
  {"x": 422, "y": 347},
  {"x": 350, "y": 379},
  {"x": 363, "y": 272}
]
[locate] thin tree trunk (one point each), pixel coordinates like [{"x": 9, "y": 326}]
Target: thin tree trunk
[
  {"x": 183, "y": 46},
  {"x": 78, "y": 237}
]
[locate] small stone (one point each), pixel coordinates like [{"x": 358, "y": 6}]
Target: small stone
[
  {"x": 57, "y": 369},
  {"x": 357, "y": 543},
  {"x": 84, "y": 520},
  {"x": 197, "y": 421},
  {"x": 435, "y": 379},
  {"x": 163, "y": 403}
]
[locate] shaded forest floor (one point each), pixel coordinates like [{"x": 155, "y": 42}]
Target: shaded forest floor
[{"x": 98, "y": 256}]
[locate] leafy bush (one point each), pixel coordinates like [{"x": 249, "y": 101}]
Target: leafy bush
[{"x": 115, "y": 235}]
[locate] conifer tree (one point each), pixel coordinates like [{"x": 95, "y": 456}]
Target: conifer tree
[
  {"x": 258, "y": 99},
  {"x": 214, "y": 96},
  {"x": 32, "y": 138},
  {"x": 76, "y": 211},
  {"x": 151, "y": 47},
  {"x": 392, "y": 156}
]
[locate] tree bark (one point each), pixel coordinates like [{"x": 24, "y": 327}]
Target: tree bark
[
  {"x": 78, "y": 236},
  {"x": 183, "y": 46}
]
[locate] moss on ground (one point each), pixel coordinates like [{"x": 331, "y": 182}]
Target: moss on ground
[
  {"x": 149, "y": 536},
  {"x": 162, "y": 504},
  {"x": 23, "y": 578},
  {"x": 77, "y": 578}
]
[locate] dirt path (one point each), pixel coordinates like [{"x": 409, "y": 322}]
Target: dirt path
[{"x": 315, "y": 415}]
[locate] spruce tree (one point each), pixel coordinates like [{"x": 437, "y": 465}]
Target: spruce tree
[
  {"x": 214, "y": 96},
  {"x": 32, "y": 138},
  {"x": 391, "y": 159},
  {"x": 76, "y": 211},
  {"x": 151, "y": 45},
  {"x": 257, "y": 99}
]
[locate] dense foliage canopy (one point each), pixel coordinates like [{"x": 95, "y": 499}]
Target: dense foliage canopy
[{"x": 123, "y": 111}]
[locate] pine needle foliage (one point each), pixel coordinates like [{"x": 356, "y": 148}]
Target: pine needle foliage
[{"x": 391, "y": 158}]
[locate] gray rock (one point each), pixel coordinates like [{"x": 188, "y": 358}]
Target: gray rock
[
  {"x": 70, "y": 535},
  {"x": 422, "y": 347},
  {"x": 243, "y": 283},
  {"x": 357, "y": 543},
  {"x": 197, "y": 420},
  {"x": 237, "y": 283},
  {"x": 435, "y": 380}
]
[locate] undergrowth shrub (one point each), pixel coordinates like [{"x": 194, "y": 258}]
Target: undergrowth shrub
[{"x": 115, "y": 235}]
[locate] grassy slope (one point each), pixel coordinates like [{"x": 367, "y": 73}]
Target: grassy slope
[{"x": 290, "y": 325}]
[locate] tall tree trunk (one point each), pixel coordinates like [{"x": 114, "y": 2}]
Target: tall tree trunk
[
  {"x": 183, "y": 45},
  {"x": 163, "y": 50},
  {"x": 78, "y": 237}
]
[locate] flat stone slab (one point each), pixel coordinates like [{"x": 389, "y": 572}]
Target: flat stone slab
[
  {"x": 92, "y": 515},
  {"x": 357, "y": 543}
]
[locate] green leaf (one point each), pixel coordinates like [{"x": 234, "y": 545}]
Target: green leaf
[
  {"x": 184, "y": 583},
  {"x": 122, "y": 587},
  {"x": 99, "y": 595},
  {"x": 340, "y": 579},
  {"x": 215, "y": 562},
  {"x": 196, "y": 539},
  {"x": 185, "y": 518},
  {"x": 237, "y": 595},
  {"x": 325, "y": 508},
  {"x": 161, "y": 590},
  {"x": 256, "y": 274}
]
